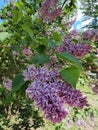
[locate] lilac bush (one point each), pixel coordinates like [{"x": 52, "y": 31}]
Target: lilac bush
[{"x": 40, "y": 34}]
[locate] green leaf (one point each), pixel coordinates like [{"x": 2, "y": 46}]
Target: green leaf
[
  {"x": 29, "y": 31},
  {"x": 70, "y": 58},
  {"x": 51, "y": 43},
  {"x": 4, "y": 35},
  {"x": 74, "y": 40},
  {"x": 19, "y": 4},
  {"x": 40, "y": 59},
  {"x": 57, "y": 37},
  {"x": 59, "y": 43},
  {"x": 21, "y": 91},
  {"x": 17, "y": 16},
  {"x": 8, "y": 100},
  {"x": 35, "y": 16},
  {"x": 41, "y": 48},
  {"x": 71, "y": 75},
  {"x": 18, "y": 82}
]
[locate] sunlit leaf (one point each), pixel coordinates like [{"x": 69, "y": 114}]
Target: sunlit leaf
[
  {"x": 17, "y": 16},
  {"x": 70, "y": 58},
  {"x": 4, "y": 35},
  {"x": 71, "y": 75}
]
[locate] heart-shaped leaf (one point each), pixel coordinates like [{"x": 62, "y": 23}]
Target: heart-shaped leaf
[{"x": 71, "y": 75}]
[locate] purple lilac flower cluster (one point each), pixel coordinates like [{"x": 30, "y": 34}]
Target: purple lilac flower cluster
[
  {"x": 12, "y": 4},
  {"x": 50, "y": 92},
  {"x": 49, "y": 10},
  {"x": 90, "y": 35},
  {"x": 71, "y": 96},
  {"x": 78, "y": 50},
  {"x": 45, "y": 98}
]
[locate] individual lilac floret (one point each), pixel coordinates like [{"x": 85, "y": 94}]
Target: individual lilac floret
[
  {"x": 8, "y": 84},
  {"x": 78, "y": 50}
]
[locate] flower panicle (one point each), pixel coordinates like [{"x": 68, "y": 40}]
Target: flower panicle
[
  {"x": 78, "y": 50},
  {"x": 50, "y": 93},
  {"x": 49, "y": 10}
]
